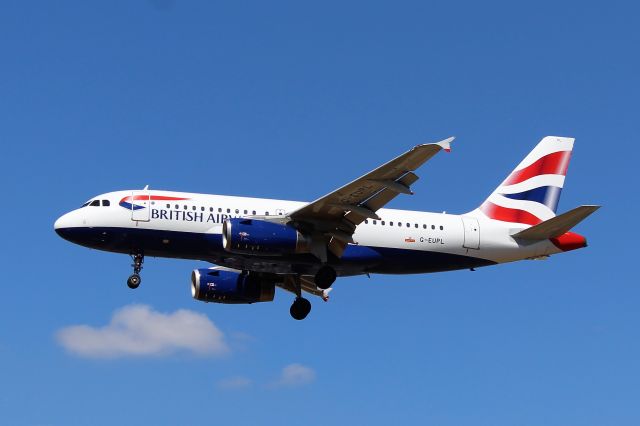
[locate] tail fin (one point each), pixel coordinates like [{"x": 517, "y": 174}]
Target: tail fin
[{"x": 530, "y": 194}]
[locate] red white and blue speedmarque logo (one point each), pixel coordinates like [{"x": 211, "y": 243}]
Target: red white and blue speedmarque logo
[
  {"x": 129, "y": 201},
  {"x": 143, "y": 201}
]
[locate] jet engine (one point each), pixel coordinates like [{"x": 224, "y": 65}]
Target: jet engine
[
  {"x": 251, "y": 236},
  {"x": 224, "y": 286}
]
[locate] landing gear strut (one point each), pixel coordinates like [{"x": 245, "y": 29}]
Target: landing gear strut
[
  {"x": 325, "y": 276},
  {"x": 135, "y": 280},
  {"x": 301, "y": 306}
]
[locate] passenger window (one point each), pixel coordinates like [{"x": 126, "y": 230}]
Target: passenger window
[
  {"x": 95, "y": 203},
  {"x": 177, "y": 207},
  {"x": 390, "y": 223},
  {"x": 382, "y": 223},
  {"x": 416, "y": 225},
  {"x": 374, "y": 222},
  {"x": 266, "y": 213},
  {"x": 168, "y": 206},
  {"x": 105, "y": 203},
  {"x": 408, "y": 225},
  {"x": 253, "y": 212},
  {"x": 424, "y": 226},
  {"x": 245, "y": 212},
  {"x": 211, "y": 209},
  {"x": 219, "y": 209},
  {"x": 366, "y": 222},
  {"x": 441, "y": 228},
  {"x": 237, "y": 211},
  {"x": 228, "y": 210},
  {"x": 185, "y": 207},
  {"x": 194, "y": 207},
  {"x": 202, "y": 208},
  {"x": 433, "y": 227}
]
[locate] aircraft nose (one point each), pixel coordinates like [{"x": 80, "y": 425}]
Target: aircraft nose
[
  {"x": 59, "y": 223},
  {"x": 62, "y": 225}
]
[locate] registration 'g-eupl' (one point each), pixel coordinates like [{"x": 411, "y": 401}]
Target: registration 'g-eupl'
[{"x": 258, "y": 244}]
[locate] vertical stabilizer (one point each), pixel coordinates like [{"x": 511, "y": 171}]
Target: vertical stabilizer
[{"x": 530, "y": 194}]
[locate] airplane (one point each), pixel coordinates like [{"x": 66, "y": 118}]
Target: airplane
[{"x": 259, "y": 244}]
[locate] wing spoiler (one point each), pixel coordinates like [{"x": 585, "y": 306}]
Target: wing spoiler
[{"x": 556, "y": 226}]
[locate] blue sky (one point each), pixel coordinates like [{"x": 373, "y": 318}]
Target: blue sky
[{"x": 291, "y": 100}]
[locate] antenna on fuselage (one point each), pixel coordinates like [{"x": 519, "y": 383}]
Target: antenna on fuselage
[{"x": 145, "y": 187}]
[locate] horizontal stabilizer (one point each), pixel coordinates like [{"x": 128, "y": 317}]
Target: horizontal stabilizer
[{"x": 557, "y": 225}]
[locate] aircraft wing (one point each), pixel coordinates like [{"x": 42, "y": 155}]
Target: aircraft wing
[{"x": 336, "y": 215}]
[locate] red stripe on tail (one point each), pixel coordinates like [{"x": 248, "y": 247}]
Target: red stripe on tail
[
  {"x": 552, "y": 164},
  {"x": 506, "y": 214}
]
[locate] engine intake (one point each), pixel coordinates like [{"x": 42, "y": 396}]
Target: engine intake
[
  {"x": 252, "y": 236},
  {"x": 222, "y": 286}
]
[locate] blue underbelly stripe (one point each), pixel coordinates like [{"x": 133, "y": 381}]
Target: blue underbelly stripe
[{"x": 200, "y": 246}]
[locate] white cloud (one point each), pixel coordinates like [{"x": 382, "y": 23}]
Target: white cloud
[
  {"x": 234, "y": 383},
  {"x": 138, "y": 330},
  {"x": 294, "y": 375}
]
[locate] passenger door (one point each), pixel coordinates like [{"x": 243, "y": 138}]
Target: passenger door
[{"x": 140, "y": 206}]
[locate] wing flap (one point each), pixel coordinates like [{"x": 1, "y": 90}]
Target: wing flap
[
  {"x": 336, "y": 247},
  {"x": 383, "y": 197}
]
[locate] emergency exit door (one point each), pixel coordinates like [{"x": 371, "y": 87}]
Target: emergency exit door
[{"x": 471, "y": 232}]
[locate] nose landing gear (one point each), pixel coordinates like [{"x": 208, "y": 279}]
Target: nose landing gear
[{"x": 135, "y": 279}]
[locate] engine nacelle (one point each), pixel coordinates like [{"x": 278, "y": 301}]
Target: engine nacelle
[
  {"x": 221, "y": 286},
  {"x": 251, "y": 236}
]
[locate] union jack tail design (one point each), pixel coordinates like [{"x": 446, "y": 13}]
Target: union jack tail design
[{"x": 530, "y": 194}]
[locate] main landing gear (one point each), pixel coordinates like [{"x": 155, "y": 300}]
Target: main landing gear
[
  {"x": 323, "y": 279},
  {"x": 325, "y": 276},
  {"x": 135, "y": 280},
  {"x": 300, "y": 307}
]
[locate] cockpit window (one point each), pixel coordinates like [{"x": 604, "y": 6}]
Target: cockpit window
[
  {"x": 106, "y": 203},
  {"x": 85, "y": 204},
  {"x": 95, "y": 203}
]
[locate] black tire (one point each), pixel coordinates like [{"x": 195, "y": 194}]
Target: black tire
[
  {"x": 134, "y": 281},
  {"x": 300, "y": 308},
  {"x": 325, "y": 276}
]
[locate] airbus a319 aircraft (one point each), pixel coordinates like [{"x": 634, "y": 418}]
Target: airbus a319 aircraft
[{"x": 259, "y": 244}]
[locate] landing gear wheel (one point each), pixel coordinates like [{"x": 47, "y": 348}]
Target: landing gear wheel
[
  {"x": 300, "y": 308},
  {"x": 134, "y": 281},
  {"x": 325, "y": 276}
]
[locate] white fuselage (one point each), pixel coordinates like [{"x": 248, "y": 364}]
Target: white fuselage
[{"x": 188, "y": 225}]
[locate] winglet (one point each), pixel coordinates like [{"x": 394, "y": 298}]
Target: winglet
[{"x": 446, "y": 144}]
